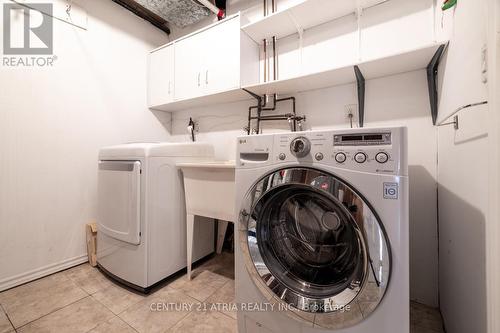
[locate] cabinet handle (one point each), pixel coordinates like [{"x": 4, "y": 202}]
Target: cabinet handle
[
  {"x": 169, "y": 89},
  {"x": 199, "y": 74},
  {"x": 206, "y": 77}
]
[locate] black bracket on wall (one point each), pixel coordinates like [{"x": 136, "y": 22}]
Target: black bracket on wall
[
  {"x": 432, "y": 76},
  {"x": 360, "y": 80}
]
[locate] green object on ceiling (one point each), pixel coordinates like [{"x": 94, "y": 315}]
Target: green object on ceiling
[{"x": 448, "y": 4}]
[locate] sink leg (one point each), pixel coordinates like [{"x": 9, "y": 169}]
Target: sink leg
[
  {"x": 189, "y": 242},
  {"x": 221, "y": 233}
]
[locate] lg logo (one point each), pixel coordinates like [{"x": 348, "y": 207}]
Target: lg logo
[{"x": 28, "y": 29}]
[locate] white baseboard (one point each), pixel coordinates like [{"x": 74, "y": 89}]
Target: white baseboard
[{"x": 19, "y": 279}]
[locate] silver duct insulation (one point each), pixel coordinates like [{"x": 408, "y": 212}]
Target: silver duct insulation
[{"x": 179, "y": 12}]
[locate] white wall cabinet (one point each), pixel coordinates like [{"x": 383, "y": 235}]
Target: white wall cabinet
[
  {"x": 207, "y": 66},
  {"x": 161, "y": 76},
  {"x": 208, "y": 62},
  {"x": 189, "y": 53},
  {"x": 211, "y": 65},
  {"x": 222, "y": 57}
]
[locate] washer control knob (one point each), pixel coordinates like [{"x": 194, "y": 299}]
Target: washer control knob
[
  {"x": 340, "y": 157},
  {"x": 300, "y": 147},
  {"x": 382, "y": 157},
  {"x": 319, "y": 156},
  {"x": 360, "y": 157},
  {"x": 282, "y": 156}
]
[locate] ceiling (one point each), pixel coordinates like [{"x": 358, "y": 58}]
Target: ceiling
[
  {"x": 161, "y": 13},
  {"x": 179, "y": 12}
]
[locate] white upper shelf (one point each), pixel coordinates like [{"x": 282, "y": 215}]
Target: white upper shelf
[
  {"x": 222, "y": 97},
  {"x": 395, "y": 64},
  {"x": 303, "y": 15},
  {"x": 407, "y": 61}
]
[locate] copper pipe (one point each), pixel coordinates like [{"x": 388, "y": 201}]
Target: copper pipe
[
  {"x": 275, "y": 60},
  {"x": 265, "y": 60}
]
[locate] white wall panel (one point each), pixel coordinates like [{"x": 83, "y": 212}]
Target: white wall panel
[
  {"x": 53, "y": 122},
  {"x": 463, "y": 171}
]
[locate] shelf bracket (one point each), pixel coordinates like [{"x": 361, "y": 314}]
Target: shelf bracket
[
  {"x": 432, "y": 77},
  {"x": 360, "y": 81},
  {"x": 295, "y": 22}
]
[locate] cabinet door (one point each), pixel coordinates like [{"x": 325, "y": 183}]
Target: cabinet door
[
  {"x": 190, "y": 57},
  {"x": 222, "y": 69},
  {"x": 161, "y": 76}
]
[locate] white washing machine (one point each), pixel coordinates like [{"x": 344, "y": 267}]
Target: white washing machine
[
  {"x": 323, "y": 232},
  {"x": 141, "y": 237}
]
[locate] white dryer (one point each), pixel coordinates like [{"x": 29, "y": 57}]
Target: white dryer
[
  {"x": 323, "y": 232},
  {"x": 141, "y": 221}
]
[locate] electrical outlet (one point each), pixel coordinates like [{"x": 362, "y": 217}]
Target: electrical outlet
[{"x": 351, "y": 114}]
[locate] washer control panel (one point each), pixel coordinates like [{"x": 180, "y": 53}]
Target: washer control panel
[{"x": 362, "y": 150}]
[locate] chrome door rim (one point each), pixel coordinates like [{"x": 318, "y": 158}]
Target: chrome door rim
[{"x": 367, "y": 288}]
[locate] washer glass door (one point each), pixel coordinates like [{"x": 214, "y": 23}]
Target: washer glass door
[{"x": 315, "y": 243}]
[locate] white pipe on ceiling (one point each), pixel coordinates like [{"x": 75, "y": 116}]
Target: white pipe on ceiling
[{"x": 210, "y": 6}]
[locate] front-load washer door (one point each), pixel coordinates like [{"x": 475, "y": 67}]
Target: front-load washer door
[
  {"x": 311, "y": 241},
  {"x": 119, "y": 200}
]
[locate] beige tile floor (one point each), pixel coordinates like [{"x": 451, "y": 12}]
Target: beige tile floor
[{"x": 81, "y": 299}]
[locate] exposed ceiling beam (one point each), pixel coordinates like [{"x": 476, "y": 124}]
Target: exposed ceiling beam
[{"x": 145, "y": 13}]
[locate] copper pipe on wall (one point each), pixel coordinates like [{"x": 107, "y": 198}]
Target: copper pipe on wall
[
  {"x": 275, "y": 60},
  {"x": 267, "y": 64},
  {"x": 266, "y": 7},
  {"x": 265, "y": 60}
]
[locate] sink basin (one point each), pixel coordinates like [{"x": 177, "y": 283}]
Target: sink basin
[{"x": 210, "y": 189}]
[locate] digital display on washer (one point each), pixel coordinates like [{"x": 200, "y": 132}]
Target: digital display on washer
[
  {"x": 350, "y": 138},
  {"x": 373, "y": 137},
  {"x": 362, "y": 139}
]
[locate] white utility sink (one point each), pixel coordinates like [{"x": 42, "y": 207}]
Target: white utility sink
[{"x": 209, "y": 189}]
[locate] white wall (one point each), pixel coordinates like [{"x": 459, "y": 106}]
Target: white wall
[
  {"x": 463, "y": 173},
  {"x": 492, "y": 228},
  {"x": 397, "y": 100},
  {"x": 52, "y": 123}
]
